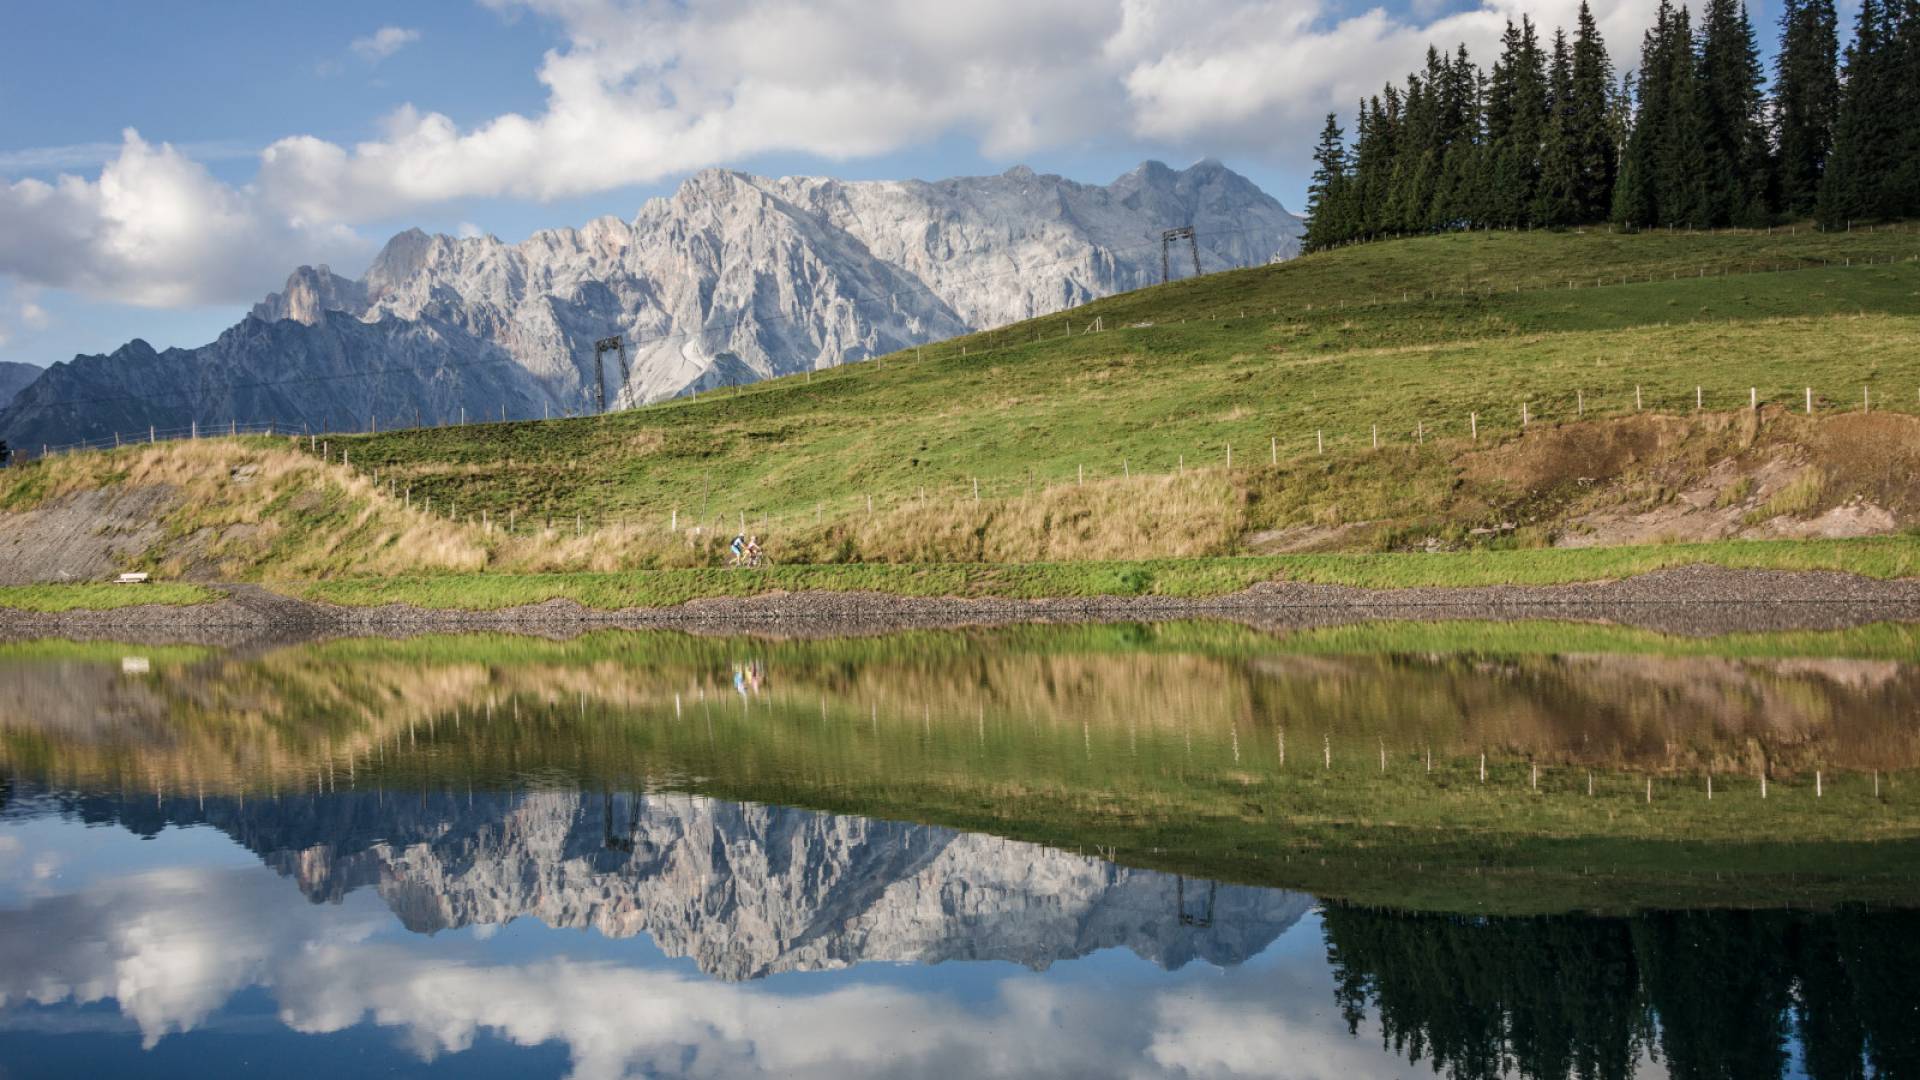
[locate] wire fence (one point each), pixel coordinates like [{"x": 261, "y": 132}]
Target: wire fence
[{"x": 1227, "y": 459}]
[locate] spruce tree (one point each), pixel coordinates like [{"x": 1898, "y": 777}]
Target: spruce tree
[
  {"x": 1516, "y": 123},
  {"x": 1806, "y": 101},
  {"x": 1557, "y": 202},
  {"x": 1735, "y": 148},
  {"x": 1593, "y": 155},
  {"x": 1903, "y": 181},
  {"x": 1328, "y": 223},
  {"x": 1680, "y": 161},
  {"x": 1865, "y": 137},
  {"x": 1636, "y": 194}
]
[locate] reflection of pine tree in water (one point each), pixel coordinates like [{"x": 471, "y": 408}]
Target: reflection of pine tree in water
[{"x": 1710, "y": 993}]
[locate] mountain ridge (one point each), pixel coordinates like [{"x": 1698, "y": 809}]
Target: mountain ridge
[{"x": 731, "y": 277}]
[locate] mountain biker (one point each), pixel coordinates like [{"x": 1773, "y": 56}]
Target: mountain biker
[
  {"x": 753, "y": 551},
  {"x": 738, "y": 547}
]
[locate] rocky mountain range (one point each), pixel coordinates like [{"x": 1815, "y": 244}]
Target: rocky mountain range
[
  {"x": 744, "y": 890},
  {"x": 15, "y": 378},
  {"x": 732, "y": 278}
]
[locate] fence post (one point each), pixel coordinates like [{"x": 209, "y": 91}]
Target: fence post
[
  {"x": 1473, "y": 421},
  {"x": 1273, "y": 449},
  {"x": 150, "y": 434},
  {"x": 1580, "y": 403},
  {"x": 1636, "y": 398},
  {"x": 1376, "y": 436},
  {"x": 1866, "y": 400},
  {"x": 1698, "y": 399},
  {"x": 1753, "y": 398},
  {"x": 1320, "y": 441}
]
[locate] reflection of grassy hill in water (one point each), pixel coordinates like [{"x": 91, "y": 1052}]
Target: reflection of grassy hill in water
[
  {"x": 1171, "y": 756},
  {"x": 248, "y": 720}
]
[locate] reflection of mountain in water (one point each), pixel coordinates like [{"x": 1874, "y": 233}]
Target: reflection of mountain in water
[{"x": 744, "y": 890}]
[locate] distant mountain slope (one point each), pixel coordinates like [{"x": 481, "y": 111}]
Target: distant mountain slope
[
  {"x": 732, "y": 278},
  {"x": 15, "y": 378}
]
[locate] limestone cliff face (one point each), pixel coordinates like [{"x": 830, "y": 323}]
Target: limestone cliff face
[{"x": 733, "y": 277}]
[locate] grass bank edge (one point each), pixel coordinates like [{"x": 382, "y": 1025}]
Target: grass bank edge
[
  {"x": 103, "y": 596},
  {"x": 1885, "y": 558}
]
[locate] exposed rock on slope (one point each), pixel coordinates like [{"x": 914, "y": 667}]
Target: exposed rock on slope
[{"x": 734, "y": 277}]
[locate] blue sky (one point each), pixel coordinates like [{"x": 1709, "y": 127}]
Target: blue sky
[{"x": 273, "y": 134}]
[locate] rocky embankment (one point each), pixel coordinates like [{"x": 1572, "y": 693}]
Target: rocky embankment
[{"x": 1688, "y": 600}]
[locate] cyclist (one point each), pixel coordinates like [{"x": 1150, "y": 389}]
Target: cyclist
[{"x": 739, "y": 548}]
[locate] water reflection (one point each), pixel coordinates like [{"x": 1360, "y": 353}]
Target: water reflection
[
  {"x": 1707, "y": 993},
  {"x": 744, "y": 891},
  {"x": 1029, "y": 852},
  {"x": 341, "y": 910}
]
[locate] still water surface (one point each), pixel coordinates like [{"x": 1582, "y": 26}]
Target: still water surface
[{"x": 489, "y": 856}]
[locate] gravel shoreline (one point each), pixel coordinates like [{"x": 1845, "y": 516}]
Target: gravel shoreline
[{"x": 1695, "y": 600}]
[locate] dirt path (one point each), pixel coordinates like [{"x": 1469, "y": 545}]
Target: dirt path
[{"x": 1698, "y": 600}]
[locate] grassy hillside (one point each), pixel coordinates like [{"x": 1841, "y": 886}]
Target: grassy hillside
[{"x": 1461, "y": 392}]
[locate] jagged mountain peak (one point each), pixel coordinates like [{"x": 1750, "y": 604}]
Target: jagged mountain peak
[
  {"x": 783, "y": 275},
  {"x": 310, "y": 292}
]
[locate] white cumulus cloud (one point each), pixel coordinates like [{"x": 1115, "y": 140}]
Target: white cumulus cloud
[
  {"x": 642, "y": 90},
  {"x": 383, "y": 43},
  {"x": 155, "y": 228}
]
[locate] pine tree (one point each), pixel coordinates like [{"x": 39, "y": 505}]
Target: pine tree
[
  {"x": 1593, "y": 155},
  {"x": 1516, "y": 123},
  {"x": 1806, "y": 101},
  {"x": 1636, "y": 194},
  {"x": 1680, "y": 162},
  {"x": 1865, "y": 138},
  {"x": 1557, "y": 202},
  {"x": 1328, "y": 222},
  {"x": 1373, "y": 161},
  {"x": 1903, "y": 181},
  {"x": 1735, "y": 149}
]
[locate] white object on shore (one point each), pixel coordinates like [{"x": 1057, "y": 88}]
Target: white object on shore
[{"x": 132, "y": 579}]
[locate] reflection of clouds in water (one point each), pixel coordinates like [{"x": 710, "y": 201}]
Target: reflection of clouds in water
[{"x": 172, "y": 947}]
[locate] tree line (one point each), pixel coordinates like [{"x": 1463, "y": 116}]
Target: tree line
[{"x": 1695, "y": 137}]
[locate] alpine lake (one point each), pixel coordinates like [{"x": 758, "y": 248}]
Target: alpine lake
[{"x": 1186, "y": 849}]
